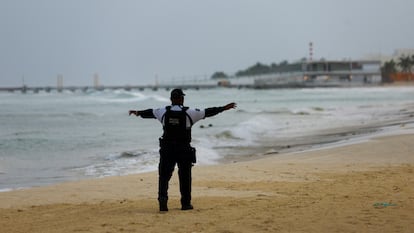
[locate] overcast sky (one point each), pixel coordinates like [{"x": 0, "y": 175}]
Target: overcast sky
[{"x": 135, "y": 41}]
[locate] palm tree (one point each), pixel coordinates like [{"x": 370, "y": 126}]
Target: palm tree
[
  {"x": 387, "y": 70},
  {"x": 412, "y": 64},
  {"x": 405, "y": 63}
]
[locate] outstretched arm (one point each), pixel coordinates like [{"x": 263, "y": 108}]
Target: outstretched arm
[
  {"x": 144, "y": 113},
  {"x": 216, "y": 110}
]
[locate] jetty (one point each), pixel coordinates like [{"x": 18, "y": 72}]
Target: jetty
[{"x": 25, "y": 89}]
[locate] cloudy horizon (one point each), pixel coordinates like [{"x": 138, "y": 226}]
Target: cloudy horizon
[{"x": 139, "y": 42}]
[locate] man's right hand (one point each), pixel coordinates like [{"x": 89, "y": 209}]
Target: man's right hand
[{"x": 230, "y": 106}]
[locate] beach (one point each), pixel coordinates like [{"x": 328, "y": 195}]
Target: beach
[
  {"x": 50, "y": 138},
  {"x": 360, "y": 187}
]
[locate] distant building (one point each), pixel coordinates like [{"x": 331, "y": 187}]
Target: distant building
[
  {"x": 324, "y": 73},
  {"x": 388, "y": 57}
]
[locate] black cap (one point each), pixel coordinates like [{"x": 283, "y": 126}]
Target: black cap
[{"x": 177, "y": 93}]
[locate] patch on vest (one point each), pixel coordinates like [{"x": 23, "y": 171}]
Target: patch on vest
[{"x": 174, "y": 121}]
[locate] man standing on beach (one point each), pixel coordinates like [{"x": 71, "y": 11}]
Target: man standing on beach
[{"x": 175, "y": 147}]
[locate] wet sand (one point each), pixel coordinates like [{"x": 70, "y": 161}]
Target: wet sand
[{"x": 363, "y": 187}]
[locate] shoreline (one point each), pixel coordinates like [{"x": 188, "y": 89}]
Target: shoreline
[
  {"x": 31, "y": 159},
  {"x": 365, "y": 187},
  {"x": 326, "y": 139}
]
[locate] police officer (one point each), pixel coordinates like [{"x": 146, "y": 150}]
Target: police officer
[{"x": 175, "y": 147}]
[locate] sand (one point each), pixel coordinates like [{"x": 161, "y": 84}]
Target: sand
[{"x": 364, "y": 187}]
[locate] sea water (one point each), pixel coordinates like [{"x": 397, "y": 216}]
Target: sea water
[{"x": 47, "y": 138}]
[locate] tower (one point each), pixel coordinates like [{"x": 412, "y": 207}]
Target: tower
[
  {"x": 96, "y": 81},
  {"x": 310, "y": 51},
  {"x": 59, "y": 82}
]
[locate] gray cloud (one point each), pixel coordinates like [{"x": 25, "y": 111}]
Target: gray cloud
[{"x": 132, "y": 42}]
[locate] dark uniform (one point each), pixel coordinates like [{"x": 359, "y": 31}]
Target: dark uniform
[{"x": 175, "y": 148}]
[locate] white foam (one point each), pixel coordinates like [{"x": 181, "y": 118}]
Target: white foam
[
  {"x": 122, "y": 163},
  {"x": 5, "y": 190},
  {"x": 205, "y": 153}
]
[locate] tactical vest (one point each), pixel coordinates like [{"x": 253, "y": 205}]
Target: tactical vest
[{"x": 175, "y": 126}]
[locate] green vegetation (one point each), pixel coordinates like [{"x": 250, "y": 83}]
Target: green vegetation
[
  {"x": 387, "y": 70},
  {"x": 219, "y": 75},
  {"x": 404, "y": 65},
  {"x": 260, "y": 68}
]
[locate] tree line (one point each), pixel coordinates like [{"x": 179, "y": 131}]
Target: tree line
[
  {"x": 404, "y": 64},
  {"x": 260, "y": 69}
]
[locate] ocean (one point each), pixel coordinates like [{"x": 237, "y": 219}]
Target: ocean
[{"x": 47, "y": 138}]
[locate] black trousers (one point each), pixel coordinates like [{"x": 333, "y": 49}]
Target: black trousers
[{"x": 170, "y": 155}]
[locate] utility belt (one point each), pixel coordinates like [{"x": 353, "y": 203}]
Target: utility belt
[
  {"x": 184, "y": 149},
  {"x": 165, "y": 142}
]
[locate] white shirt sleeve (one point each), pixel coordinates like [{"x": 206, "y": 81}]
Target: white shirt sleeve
[
  {"x": 159, "y": 113},
  {"x": 196, "y": 114}
]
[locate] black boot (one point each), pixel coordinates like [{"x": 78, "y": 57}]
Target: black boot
[
  {"x": 163, "y": 205},
  {"x": 187, "y": 207}
]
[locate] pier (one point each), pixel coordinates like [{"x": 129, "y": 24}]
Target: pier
[{"x": 25, "y": 89}]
